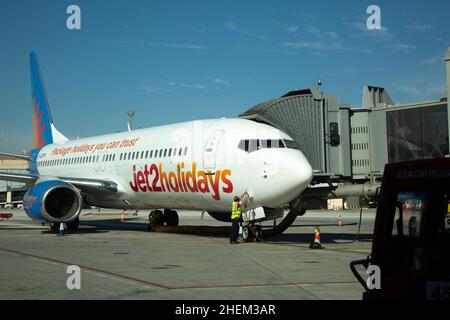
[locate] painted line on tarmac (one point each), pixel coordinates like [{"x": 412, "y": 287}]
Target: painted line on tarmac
[
  {"x": 252, "y": 285},
  {"x": 159, "y": 285},
  {"x": 104, "y": 272}
]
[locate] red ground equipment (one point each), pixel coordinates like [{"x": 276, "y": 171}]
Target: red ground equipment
[{"x": 411, "y": 243}]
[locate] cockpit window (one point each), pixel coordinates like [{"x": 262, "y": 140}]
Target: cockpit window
[
  {"x": 291, "y": 144},
  {"x": 252, "y": 145}
]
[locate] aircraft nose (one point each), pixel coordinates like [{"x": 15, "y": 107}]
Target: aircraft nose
[
  {"x": 298, "y": 172},
  {"x": 294, "y": 176}
]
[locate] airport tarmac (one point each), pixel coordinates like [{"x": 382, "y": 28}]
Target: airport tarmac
[{"x": 123, "y": 261}]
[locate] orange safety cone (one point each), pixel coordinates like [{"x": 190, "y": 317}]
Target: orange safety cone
[
  {"x": 340, "y": 223},
  {"x": 122, "y": 218},
  {"x": 316, "y": 244}
]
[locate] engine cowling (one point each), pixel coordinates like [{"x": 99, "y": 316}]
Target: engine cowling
[{"x": 53, "y": 201}]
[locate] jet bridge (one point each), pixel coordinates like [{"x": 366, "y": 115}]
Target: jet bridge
[
  {"x": 319, "y": 125},
  {"x": 348, "y": 148}
]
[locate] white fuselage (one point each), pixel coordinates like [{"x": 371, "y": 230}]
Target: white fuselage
[{"x": 191, "y": 165}]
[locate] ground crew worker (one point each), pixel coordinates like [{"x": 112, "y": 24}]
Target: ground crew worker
[{"x": 235, "y": 218}]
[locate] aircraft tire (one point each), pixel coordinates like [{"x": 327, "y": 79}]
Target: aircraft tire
[
  {"x": 156, "y": 218},
  {"x": 54, "y": 227},
  {"x": 73, "y": 225},
  {"x": 171, "y": 217}
]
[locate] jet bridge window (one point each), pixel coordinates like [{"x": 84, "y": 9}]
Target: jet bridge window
[{"x": 334, "y": 134}]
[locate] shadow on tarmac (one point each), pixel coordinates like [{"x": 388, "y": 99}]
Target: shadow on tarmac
[
  {"x": 323, "y": 225},
  {"x": 308, "y": 237},
  {"x": 324, "y": 237}
]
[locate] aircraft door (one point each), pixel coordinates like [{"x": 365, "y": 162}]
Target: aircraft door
[
  {"x": 102, "y": 161},
  {"x": 210, "y": 151}
]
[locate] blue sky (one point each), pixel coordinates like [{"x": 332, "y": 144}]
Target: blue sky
[{"x": 172, "y": 61}]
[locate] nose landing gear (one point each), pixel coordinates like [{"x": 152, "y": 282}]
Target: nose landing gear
[{"x": 251, "y": 232}]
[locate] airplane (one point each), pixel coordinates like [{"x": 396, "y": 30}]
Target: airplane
[{"x": 195, "y": 165}]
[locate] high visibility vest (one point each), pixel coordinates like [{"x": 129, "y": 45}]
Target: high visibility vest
[{"x": 235, "y": 211}]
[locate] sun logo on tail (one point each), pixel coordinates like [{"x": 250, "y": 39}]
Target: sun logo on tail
[{"x": 38, "y": 126}]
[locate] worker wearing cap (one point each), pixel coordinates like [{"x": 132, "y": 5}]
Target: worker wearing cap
[{"x": 235, "y": 218}]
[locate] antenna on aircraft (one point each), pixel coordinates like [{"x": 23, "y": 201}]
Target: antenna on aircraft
[{"x": 130, "y": 120}]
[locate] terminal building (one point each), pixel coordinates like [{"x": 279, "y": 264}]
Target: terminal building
[
  {"x": 347, "y": 146},
  {"x": 12, "y": 192}
]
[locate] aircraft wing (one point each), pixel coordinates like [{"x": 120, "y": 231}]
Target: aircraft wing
[
  {"x": 15, "y": 156},
  {"x": 17, "y": 177},
  {"x": 86, "y": 185}
]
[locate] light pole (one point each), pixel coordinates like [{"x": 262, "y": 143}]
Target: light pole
[{"x": 130, "y": 119}]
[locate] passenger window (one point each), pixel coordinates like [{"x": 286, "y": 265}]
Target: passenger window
[
  {"x": 174, "y": 152},
  {"x": 165, "y": 152},
  {"x": 170, "y": 152},
  {"x": 146, "y": 154},
  {"x": 179, "y": 153},
  {"x": 185, "y": 151},
  {"x": 151, "y": 153},
  {"x": 142, "y": 154}
]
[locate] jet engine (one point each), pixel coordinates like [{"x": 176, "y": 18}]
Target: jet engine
[{"x": 53, "y": 201}]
